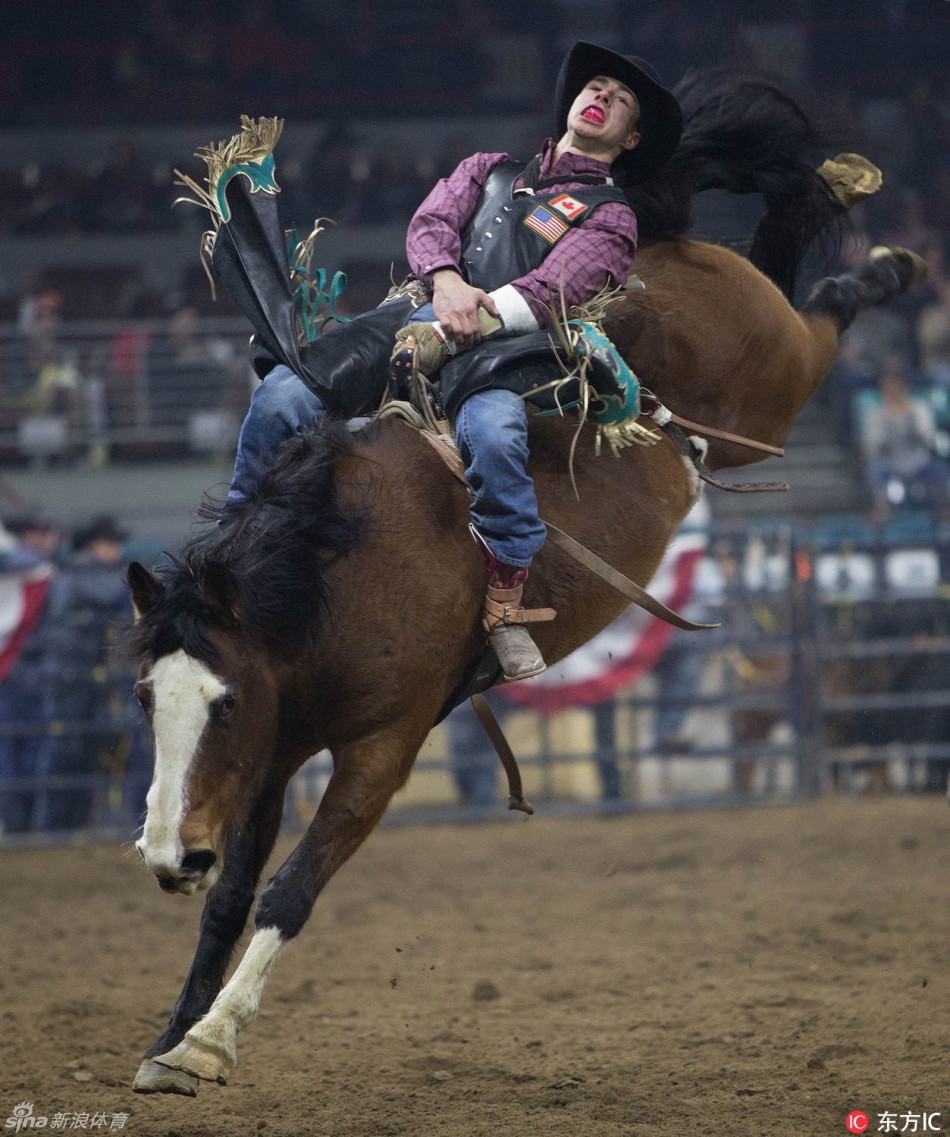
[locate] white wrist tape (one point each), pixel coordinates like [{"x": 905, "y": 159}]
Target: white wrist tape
[{"x": 514, "y": 311}]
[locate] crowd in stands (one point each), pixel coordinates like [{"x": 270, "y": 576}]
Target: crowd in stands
[
  {"x": 889, "y": 390},
  {"x": 74, "y": 748},
  {"x": 877, "y": 68},
  {"x": 155, "y": 388}
]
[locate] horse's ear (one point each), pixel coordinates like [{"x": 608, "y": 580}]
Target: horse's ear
[
  {"x": 146, "y": 589},
  {"x": 220, "y": 591}
]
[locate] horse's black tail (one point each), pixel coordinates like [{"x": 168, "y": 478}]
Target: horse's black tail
[{"x": 744, "y": 134}]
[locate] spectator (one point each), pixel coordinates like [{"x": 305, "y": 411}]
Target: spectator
[
  {"x": 25, "y": 575},
  {"x": 53, "y": 383},
  {"x": 679, "y": 672},
  {"x": 187, "y": 371},
  {"x": 393, "y": 189},
  {"x": 899, "y": 446},
  {"x": 88, "y": 691},
  {"x": 933, "y": 323},
  {"x": 122, "y": 196}
]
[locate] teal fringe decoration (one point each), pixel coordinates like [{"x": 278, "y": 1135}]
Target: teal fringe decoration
[{"x": 314, "y": 299}]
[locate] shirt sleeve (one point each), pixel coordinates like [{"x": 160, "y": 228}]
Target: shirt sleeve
[
  {"x": 434, "y": 237},
  {"x": 595, "y": 254}
]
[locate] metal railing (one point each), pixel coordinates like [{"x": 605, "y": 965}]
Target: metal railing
[
  {"x": 122, "y": 389},
  {"x": 816, "y": 681}
]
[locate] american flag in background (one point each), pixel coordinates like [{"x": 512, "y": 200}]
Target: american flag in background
[
  {"x": 543, "y": 221},
  {"x": 21, "y": 603}
]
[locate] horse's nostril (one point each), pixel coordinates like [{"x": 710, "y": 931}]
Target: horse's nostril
[{"x": 198, "y": 862}]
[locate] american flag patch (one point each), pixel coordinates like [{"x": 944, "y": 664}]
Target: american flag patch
[{"x": 543, "y": 221}]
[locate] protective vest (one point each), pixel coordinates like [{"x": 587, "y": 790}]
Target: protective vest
[{"x": 511, "y": 233}]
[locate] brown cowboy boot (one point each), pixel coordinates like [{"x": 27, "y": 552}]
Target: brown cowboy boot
[{"x": 504, "y": 619}]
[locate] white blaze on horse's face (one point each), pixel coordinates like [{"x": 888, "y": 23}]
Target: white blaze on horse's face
[{"x": 182, "y": 692}]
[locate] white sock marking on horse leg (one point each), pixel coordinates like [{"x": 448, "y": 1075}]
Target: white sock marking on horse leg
[{"x": 238, "y": 1001}]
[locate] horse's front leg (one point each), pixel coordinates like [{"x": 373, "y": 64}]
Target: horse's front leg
[
  {"x": 366, "y": 777},
  {"x": 222, "y": 922}
]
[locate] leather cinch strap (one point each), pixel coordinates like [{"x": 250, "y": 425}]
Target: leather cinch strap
[{"x": 486, "y": 716}]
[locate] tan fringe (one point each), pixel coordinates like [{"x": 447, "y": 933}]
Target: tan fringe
[
  {"x": 301, "y": 258},
  {"x": 255, "y": 141},
  {"x": 596, "y": 308},
  {"x": 619, "y": 435}
]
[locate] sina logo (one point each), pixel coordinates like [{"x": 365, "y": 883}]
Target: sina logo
[{"x": 23, "y": 1118}]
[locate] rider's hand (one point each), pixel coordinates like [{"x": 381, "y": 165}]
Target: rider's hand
[{"x": 456, "y": 305}]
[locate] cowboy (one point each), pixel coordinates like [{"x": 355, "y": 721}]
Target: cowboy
[{"x": 495, "y": 250}]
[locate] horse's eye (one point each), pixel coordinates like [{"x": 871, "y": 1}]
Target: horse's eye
[{"x": 224, "y": 707}]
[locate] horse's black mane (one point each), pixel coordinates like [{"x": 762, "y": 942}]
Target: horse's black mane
[
  {"x": 262, "y": 561},
  {"x": 744, "y": 134}
]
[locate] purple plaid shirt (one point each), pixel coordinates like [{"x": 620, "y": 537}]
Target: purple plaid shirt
[{"x": 594, "y": 254}]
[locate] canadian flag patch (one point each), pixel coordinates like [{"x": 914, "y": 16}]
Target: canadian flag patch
[{"x": 568, "y": 206}]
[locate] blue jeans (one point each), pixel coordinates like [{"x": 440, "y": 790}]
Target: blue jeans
[
  {"x": 491, "y": 429},
  {"x": 492, "y": 433},
  {"x": 280, "y": 407}
]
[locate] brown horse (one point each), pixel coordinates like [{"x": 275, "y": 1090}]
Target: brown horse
[{"x": 340, "y": 608}]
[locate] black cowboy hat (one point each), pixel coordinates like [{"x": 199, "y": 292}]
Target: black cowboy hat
[
  {"x": 28, "y": 523},
  {"x": 661, "y": 120},
  {"x": 102, "y": 528}
]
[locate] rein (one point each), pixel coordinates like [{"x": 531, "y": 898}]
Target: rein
[
  {"x": 691, "y": 451},
  {"x": 662, "y": 415},
  {"x": 496, "y": 736},
  {"x": 672, "y": 424}
]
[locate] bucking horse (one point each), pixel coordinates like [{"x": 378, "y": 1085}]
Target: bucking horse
[{"x": 339, "y": 607}]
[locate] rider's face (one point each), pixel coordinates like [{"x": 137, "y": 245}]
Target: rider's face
[{"x": 605, "y": 114}]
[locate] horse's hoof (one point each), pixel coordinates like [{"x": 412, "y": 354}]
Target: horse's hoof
[
  {"x": 201, "y": 1061},
  {"x": 914, "y": 263},
  {"x": 155, "y": 1079}
]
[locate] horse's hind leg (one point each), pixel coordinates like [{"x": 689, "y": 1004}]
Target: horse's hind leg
[
  {"x": 367, "y": 775},
  {"x": 222, "y": 922},
  {"x": 889, "y": 271}
]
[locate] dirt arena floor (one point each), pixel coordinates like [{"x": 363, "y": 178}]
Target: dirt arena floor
[{"x": 725, "y": 973}]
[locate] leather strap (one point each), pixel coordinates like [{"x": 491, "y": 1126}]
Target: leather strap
[
  {"x": 688, "y": 450},
  {"x": 624, "y": 585},
  {"x": 491, "y": 726},
  {"x": 502, "y": 606},
  {"x": 712, "y": 432}
]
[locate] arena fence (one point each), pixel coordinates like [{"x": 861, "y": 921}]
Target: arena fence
[
  {"x": 113, "y": 390},
  {"x": 830, "y": 672}
]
